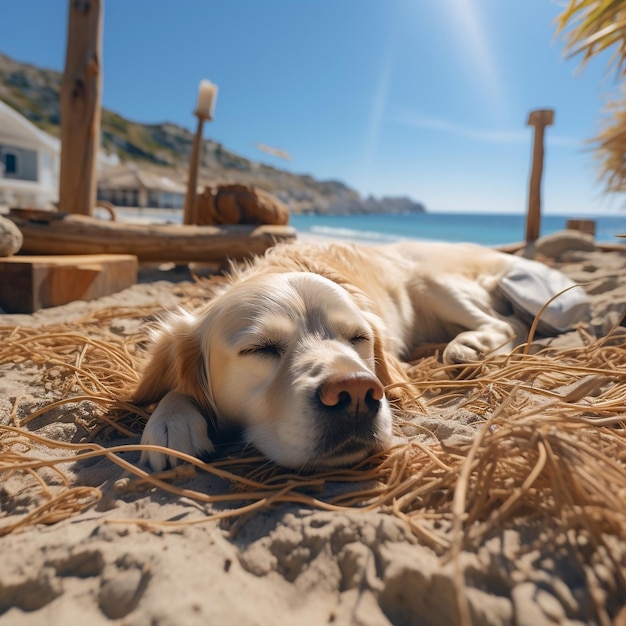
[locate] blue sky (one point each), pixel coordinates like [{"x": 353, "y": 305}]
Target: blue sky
[{"x": 427, "y": 98}]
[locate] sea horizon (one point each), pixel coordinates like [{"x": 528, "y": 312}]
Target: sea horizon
[{"x": 490, "y": 229}]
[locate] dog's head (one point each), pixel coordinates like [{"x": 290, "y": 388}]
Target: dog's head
[{"x": 288, "y": 357}]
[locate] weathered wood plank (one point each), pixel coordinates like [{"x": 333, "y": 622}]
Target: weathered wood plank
[
  {"x": 56, "y": 233},
  {"x": 30, "y": 283}
]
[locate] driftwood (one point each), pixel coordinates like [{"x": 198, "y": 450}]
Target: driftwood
[{"x": 46, "y": 232}]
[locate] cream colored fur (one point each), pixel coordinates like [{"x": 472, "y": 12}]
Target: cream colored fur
[{"x": 297, "y": 349}]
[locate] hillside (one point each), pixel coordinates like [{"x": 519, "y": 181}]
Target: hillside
[{"x": 165, "y": 148}]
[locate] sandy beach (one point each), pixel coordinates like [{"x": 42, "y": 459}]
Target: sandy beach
[{"x": 508, "y": 506}]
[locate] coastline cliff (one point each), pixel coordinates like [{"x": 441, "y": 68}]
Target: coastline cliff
[{"x": 164, "y": 148}]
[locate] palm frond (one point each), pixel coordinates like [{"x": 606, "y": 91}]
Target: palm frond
[
  {"x": 610, "y": 146},
  {"x": 591, "y": 27}
]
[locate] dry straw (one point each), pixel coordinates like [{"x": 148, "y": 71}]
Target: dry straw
[{"x": 549, "y": 442}]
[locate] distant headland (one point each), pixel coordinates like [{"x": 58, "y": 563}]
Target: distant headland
[{"x": 164, "y": 149}]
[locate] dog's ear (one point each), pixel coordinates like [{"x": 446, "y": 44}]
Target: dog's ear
[
  {"x": 178, "y": 363},
  {"x": 389, "y": 369}
]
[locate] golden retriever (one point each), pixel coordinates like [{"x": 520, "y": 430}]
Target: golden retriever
[{"x": 297, "y": 350}]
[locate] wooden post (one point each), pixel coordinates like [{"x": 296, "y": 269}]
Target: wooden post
[
  {"x": 539, "y": 120},
  {"x": 583, "y": 226},
  {"x": 189, "y": 215},
  {"x": 80, "y": 108},
  {"x": 204, "y": 111}
]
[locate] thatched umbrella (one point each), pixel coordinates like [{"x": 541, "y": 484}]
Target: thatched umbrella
[{"x": 591, "y": 27}]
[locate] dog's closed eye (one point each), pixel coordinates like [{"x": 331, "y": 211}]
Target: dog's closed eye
[
  {"x": 359, "y": 338},
  {"x": 270, "y": 350}
]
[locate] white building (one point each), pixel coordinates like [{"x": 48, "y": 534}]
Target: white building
[{"x": 29, "y": 162}]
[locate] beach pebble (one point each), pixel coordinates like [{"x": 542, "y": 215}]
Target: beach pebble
[
  {"x": 29, "y": 589},
  {"x": 121, "y": 589},
  {"x": 11, "y": 238},
  {"x": 534, "y": 606},
  {"x": 554, "y": 245}
]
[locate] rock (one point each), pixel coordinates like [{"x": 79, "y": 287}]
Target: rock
[
  {"x": 554, "y": 245},
  {"x": 239, "y": 204},
  {"x": 535, "y": 606},
  {"x": 121, "y": 587},
  {"x": 29, "y": 589},
  {"x": 11, "y": 238}
]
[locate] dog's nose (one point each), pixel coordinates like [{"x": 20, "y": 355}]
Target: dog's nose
[{"x": 356, "y": 394}]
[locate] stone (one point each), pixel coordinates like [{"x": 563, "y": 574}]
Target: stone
[
  {"x": 121, "y": 588},
  {"x": 534, "y": 606},
  {"x": 11, "y": 237},
  {"x": 240, "y": 204},
  {"x": 554, "y": 245}
]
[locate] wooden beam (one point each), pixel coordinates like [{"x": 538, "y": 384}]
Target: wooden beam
[
  {"x": 57, "y": 233},
  {"x": 80, "y": 107}
]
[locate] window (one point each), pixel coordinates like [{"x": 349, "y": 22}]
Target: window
[{"x": 10, "y": 163}]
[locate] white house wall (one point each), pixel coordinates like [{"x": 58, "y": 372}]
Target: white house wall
[
  {"x": 36, "y": 181},
  {"x": 49, "y": 170}
]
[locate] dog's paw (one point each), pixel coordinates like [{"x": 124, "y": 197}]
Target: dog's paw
[
  {"x": 472, "y": 347},
  {"x": 460, "y": 353},
  {"x": 176, "y": 423}
]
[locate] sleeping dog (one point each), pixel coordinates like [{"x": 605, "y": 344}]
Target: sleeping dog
[{"x": 298, "y": 349}]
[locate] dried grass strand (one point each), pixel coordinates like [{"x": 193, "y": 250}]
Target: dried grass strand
[{"x": 549, "y": 443}]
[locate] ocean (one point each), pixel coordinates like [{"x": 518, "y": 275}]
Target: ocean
[{"x": 487, "y": 229}]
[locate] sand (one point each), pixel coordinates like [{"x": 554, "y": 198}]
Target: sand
[{"x": 290, "y": 563}]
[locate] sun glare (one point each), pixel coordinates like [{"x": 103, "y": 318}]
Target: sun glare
[{"x": 470, "y": 34}]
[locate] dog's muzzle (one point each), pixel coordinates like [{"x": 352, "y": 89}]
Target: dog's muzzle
[{"x": 349, "y": 407}]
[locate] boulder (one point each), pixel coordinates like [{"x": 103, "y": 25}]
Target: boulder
[
  {"x": 554, "y": 245},
  {"x": 11, "y": 238},
  {"x": 240, "y": 204}
]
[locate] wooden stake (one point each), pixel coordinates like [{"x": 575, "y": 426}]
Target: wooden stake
[
  {"x": 189, "y": 214},
  {"x": 207, "y": 94},
  {"x": 539, "y": 120},
  {"x": 80, "y": 108}
]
